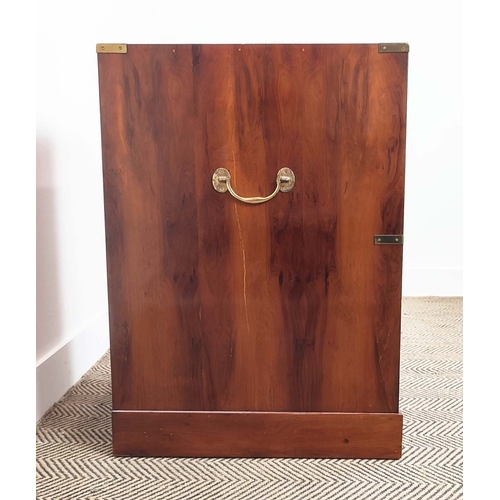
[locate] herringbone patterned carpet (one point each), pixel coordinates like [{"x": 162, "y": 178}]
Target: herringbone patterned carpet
[{"x": 74, "y": 460}]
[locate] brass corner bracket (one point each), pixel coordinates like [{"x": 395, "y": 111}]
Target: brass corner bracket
[
  {"x": 393, "y": 47},
  {"x": 111, "y": 48}
]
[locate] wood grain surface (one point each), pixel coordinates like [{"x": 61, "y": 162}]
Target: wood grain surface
[
  {"x": 257, "y": 434},
  {"x": 218, "y": 305}
]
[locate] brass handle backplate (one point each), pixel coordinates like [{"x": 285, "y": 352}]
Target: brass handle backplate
[{"x": 285, "y": 180}]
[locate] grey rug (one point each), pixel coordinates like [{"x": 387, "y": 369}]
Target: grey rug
[{"x": 74, "y": 458}]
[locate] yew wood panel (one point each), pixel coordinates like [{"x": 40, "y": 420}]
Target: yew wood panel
[{"x": 284, "y": 306}]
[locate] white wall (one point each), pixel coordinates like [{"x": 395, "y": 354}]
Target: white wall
[{"x": 71, "y": 286}]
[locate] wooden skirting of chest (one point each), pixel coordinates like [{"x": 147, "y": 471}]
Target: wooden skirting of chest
[{"x": 257, "y": 434}]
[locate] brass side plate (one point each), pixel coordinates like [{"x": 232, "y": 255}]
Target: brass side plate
[
  {"x": 393, "y": 47},
  {"x": 388, "y": 239},
  {"x": 111, "y": 48},
  {"x": 285, "y": 179},
  {"x": 220, "y": 179}
]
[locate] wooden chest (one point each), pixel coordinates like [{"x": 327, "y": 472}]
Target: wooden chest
[{"x": 254, "y": 222}]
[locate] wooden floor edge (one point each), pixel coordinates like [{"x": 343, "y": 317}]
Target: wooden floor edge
[{"x": 257, "y": 434}]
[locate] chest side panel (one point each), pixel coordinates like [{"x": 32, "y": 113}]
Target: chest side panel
[{"x": 284, "y": 306}]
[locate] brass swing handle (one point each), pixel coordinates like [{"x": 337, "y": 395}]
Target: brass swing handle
[{"x": 285, "y": 180}]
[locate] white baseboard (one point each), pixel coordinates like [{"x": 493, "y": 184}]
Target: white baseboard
[
  {"x": 432, "y": 282},
  {"x": 58, "y": 371}
]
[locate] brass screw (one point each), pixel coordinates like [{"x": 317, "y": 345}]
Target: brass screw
[{"x": 120, "y": 47}]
